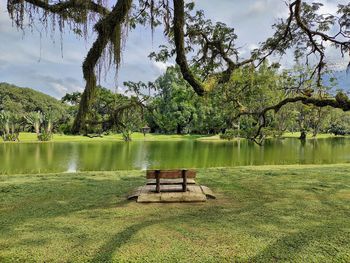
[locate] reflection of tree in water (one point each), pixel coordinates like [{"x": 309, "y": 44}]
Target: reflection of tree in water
[{"x": 336, "y": 141}]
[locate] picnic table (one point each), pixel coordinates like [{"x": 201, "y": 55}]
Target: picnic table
[{"x": 177, "y": 176}]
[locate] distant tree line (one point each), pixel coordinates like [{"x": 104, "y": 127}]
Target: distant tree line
[{"x": 24, "y": 109}]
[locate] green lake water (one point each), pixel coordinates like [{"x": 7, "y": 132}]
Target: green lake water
[{"x": 109, "y": 156}]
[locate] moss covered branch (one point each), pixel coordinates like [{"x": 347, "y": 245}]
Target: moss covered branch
[
  {"x": 179, "y": 37},
  {"x": 61, "y": 7},
  {"x": 108, "y": 30}
]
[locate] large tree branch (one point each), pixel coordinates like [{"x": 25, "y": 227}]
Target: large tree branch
[
  {"x": 114, "y": 118},
  {"x": 105, "y": 28},
  {"x": 341, "y": 101},
  {"x": 179, "y": 36},
  {"x": 216, "y": 46},
  {"x": 60, "y": 7},
  {"x": 311, "y": 33}
]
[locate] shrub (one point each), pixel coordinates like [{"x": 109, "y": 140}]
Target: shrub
[
  {"x": 45, "y": 136},
  {"x": 229, "y": 134},
  {"x": 11, "y": 137},
  {"x": 126, "y": 134},
  {"x": 337, "y": 129}
]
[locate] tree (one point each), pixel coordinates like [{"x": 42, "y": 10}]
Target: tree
[
  {"x": 338, "y": 122},
  {"x": 9, "y": 123},
  {"x": 305, "y": 31},
  {"x": 130, "y": 121},
  {"x": 35, "y": 119},
  {"x": 109, "y": 111},
  {"x": 173, "y": 107}
]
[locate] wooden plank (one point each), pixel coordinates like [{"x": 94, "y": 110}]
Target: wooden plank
[
  {"x": 169, "y": 174},
  {"x": 172, "y": 188},
  {"x": 184, "y": 178},
  {"x": 170, "y": 181},
  {"x": 157, "y": 174}
]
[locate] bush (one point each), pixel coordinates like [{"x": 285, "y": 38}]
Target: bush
[
  {"x": 65, "y": 128},
  {"x": 11, "y": 137},
  {"x": 229, "y": 134},
  {"x": 126, "y": 134},
  {"x": 45, "y": 136},
  {"x": 337, "y": 129}
]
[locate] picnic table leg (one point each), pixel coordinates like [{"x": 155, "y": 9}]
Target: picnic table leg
[
  {"x": 157, "y": 181},
  {"x": 184, "y": 181}
]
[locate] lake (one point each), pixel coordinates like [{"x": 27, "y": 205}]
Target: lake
[{"x": 108, "y": 156}]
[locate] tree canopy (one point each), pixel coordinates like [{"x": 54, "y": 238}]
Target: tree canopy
[{"x": 205, "y": 52}]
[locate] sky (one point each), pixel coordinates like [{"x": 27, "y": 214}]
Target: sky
[{"x": 34, "y": 58}]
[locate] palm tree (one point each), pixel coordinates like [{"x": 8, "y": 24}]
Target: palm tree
[
  {"x": 8, "y": 123},
  {"x": 35, "y": 119},
  {"x": 5, "y": 122}
]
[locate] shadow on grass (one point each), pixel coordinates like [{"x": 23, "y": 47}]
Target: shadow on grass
[
  {"x": 292, "y": 247},
  {"x": 60, "y": 196},
  {"x": 105, "y": 253}
]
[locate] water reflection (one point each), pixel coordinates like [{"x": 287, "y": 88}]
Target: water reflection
[{"x": 95, "y": 156}]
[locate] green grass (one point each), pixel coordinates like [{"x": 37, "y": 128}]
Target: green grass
[{"x": 262, "y": 214}]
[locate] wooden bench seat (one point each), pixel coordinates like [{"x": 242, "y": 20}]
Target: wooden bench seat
[{"x": 168, "y": 175}]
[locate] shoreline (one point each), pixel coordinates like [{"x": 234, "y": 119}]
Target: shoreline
[{"x": 137, "y": 137}]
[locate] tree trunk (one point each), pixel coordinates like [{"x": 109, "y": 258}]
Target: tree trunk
[
  {"x": 302, "y": 135},
  {"x": 178, "y": 129},
  {"x": 109, "y": 30}
]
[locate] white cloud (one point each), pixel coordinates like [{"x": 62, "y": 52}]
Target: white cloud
[
  {"x": 58, "y": 86},
  {"x": 161, "y": 66},
  {"x": 329, "y": 7}
]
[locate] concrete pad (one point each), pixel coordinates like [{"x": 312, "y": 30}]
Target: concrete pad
[
  {"x": 183, "y": 197},
  {"x": 171, "y": 193},
  {"x": 149, "y": 198}
]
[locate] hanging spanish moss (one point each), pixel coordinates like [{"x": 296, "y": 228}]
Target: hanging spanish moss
[{"x": 110, "y": 23}]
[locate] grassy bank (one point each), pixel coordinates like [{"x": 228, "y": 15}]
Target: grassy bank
[
  {"x": 262, "y": 214},
  {"x": 31, "y": 137},
  {"x": 309, "y": 135}
]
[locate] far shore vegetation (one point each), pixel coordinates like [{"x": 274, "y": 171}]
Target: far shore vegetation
[{"x": 175, "y": 112}]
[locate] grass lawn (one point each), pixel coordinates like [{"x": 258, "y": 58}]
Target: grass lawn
[{"x": 262, "y": 214}]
